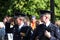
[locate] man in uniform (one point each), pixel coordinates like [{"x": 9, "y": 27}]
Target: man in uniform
[
  {"x": 47, "y": 30},
  {"x": 20, "y": 30}
]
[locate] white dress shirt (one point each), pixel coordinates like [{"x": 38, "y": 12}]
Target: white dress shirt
[
  {"x": 47, "y": 24},
  {"x": 20, "y": 26}
]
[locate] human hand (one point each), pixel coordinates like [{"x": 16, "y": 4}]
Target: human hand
[{"x": 47, "y": 34}]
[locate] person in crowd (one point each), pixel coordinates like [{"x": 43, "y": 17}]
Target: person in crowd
[
  {"x": 27, "y": 21},
  {"x": 20, "y": 30},
  {"x": 57, "y": 23},
  {"x": 9, "y": 28},
  {"x": 33, "y": 25},
  {"x": 2, "y": 31},
  {"x": 4, "y": 21},
  {"x": 10, "y": 35},
  {"x": 33, "y": 22},
  {"x": 47, "y": 30}
]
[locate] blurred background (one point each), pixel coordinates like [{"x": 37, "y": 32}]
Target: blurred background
[{"x": 31, "y": 7}]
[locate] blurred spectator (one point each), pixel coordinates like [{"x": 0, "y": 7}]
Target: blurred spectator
[
  {"x": 27, "y": 21},
  {"x": 2, "y": 31},
  {"x": 33, "y": 22},
  {"x": 5, "y": 19},
  {"x": 57, "y": 23},
  {"x": 8, "y": 27}
]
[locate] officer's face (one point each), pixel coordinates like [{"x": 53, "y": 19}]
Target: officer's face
[
  {"x": 43, "y": 18},
  {"x": 19, "y": 21}
]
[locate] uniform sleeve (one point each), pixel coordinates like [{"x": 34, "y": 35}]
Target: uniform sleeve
[
  {"x": 53, "y": 38},
  {"x": 57, "y": 34}
]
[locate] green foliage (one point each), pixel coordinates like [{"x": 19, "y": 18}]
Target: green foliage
[
  {"x": 57, "y": 9},
  {"x": 30, "y": 7}
]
